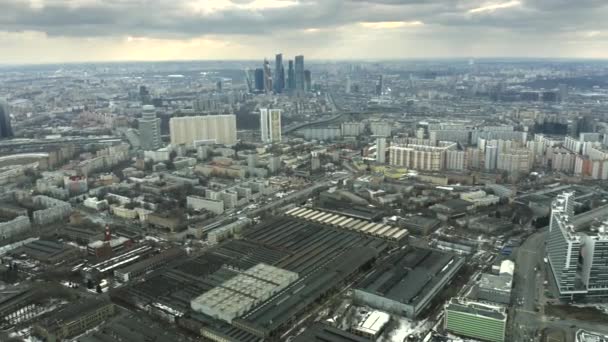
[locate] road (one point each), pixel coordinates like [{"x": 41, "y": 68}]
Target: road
[
  {"x": 528, "y": 295},
  {"x": 291, "y": 128}
]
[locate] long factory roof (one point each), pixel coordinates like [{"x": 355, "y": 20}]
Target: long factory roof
[{"x": 340, "y": 221}]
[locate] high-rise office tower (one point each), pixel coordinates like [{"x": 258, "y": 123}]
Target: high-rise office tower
[
  {"x": 347, "y": 86},
  {"x": 299, "y": 73},
  {"x": 270, "y": 125},
  {"x": 381, "y": 150},
  {"x": 267, "y": 77},
  {"x": 144, "y": 95},
  {"x": 149, "y": 129},
  {"x": 563, "y": 246},
  {"x": 307, "y": 80},
  {"x": 250, "y": 79},
  {"x": 189, "y": 129},
  {"x": 577, "y": 250},
  {"x": 379, "y": 86},
  {"x": 259, "y": 79},
  {"x": 6, "y": 130},
  {"x": 279, "y": 74},
  {"x": 563, "y": 92},
  {"x": 291, "y": 76}
]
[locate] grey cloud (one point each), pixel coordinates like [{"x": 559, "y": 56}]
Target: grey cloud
[{"x": 170, "y": 19}]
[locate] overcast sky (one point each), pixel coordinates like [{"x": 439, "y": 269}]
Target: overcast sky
[{"x": 40, "y": 31}]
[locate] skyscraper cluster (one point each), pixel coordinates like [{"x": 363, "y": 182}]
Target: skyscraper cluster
[{"x": 277, "y": 80}]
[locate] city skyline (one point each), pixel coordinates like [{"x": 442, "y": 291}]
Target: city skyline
[{"x": 45, "y": 31}]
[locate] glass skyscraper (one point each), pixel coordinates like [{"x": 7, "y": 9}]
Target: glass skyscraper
[
  {"x": 291, "y": 76},
  {"x": 299, "y": 73},
  {"x": 279, "y": 74},
  {"x": 6, "y": 130},
  {"x": 577, "y": 251}
]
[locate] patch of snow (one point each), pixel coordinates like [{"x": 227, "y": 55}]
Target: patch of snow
[{"x": 407, "y": 328}]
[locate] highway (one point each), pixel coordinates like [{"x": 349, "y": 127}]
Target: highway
[{"x": 292, "y": 128}]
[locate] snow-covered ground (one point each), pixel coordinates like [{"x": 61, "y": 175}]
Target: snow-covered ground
[
  {"x": 407, "y": 328},
  {"x": 586, "y": 336},
  {"x": 454, "y": 338},
  {"x": 24, "y": 334}
]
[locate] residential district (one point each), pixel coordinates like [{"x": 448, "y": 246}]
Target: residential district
[{"x": 246, "y": 201}]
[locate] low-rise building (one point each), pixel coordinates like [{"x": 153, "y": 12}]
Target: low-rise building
[
  {"x": 120, "y": 211},
  {"x": 94, "y": 203},
  {"x": 372, "y": 325},
  {"x": 495, "y": 288},
  {"x": 480, "y": 198},
  {"x": 198, "y": 203},
  {"x": 476, "y": 320},
  {"x": 452, "y": 209}
]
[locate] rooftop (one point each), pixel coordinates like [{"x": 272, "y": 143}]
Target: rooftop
[
  {"x": 408, "y": 275},
  {"x": 324, "y": 333},
  {"x": 373, "y": 322},
  {"x": 75, "y": 311},
  {"x": 495, "y": 282},
  {"x": 476, "y": 308}
]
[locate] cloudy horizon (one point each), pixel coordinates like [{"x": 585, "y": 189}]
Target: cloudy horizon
[{"x": 55, "y": 31}]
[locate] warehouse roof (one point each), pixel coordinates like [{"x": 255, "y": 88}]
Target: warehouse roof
[
  {"x": 409, "y": 275},
  {"x": 324, "y": 333}
]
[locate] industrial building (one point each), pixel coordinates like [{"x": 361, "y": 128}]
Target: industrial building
[
  {"x": 49, "y": 252},
  {"x": 141, "y": 267},
  {"x": 420, "y": 225},
  {"x": 133, "y": 327},
  {"x": 380, "y": 230},
  {"x": 476, "y": 320},
  {"x": 20, "y": 306},
  {"x": 324, "y": 333},
  {"x": 108, "y": 266},
  {"x": 240, "y": 294},
  {"x": 74, "y": 319},
  {"x": 323, "y": 259},
  {"x": 407, "y": 281}
]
